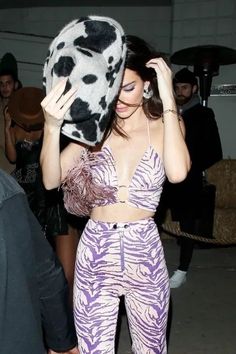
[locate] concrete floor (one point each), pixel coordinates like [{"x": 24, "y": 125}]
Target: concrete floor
[{"x": 203, "y": 310}]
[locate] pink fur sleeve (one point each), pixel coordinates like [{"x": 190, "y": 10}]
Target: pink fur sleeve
[{"x": 81, "y": 190}]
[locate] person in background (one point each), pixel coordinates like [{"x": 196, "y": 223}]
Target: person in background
[
  {"x": 35, "y": 314},
  {"x": 9, "y": 83},
  {"x": 118, "y": 184},
  {"x": 203, "y": 141},
  {"x": 24, "y": 122}
]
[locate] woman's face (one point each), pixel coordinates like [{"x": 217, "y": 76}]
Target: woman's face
[{"x": 131, "y": 94}]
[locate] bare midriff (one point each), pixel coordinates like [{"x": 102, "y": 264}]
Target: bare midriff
[{"x": 119, "y": 212}]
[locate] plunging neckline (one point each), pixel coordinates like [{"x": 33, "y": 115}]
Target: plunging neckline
[{"x": 150, "y": 147}]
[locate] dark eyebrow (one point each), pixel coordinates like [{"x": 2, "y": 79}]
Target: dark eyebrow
[{"x": 130, "y": 83}]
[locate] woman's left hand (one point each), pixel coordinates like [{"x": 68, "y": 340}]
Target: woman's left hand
[{"x": 164, "y": 77}]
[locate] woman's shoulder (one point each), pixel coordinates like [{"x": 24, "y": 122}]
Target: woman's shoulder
[
  {"x": 156, "y": 134},
  {"x": 72, "y": 153},
  {"x": 74, "y": 148}
]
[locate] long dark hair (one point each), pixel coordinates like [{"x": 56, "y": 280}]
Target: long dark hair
[{"x": 139, "y": 52}]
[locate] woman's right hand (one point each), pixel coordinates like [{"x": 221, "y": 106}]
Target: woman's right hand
[{"x": 56, "y": 104}]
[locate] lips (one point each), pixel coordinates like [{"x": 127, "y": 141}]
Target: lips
[{"x": 121, "y": 109}]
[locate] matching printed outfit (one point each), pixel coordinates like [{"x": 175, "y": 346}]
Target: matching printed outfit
[{"x": 121, "y": 258}]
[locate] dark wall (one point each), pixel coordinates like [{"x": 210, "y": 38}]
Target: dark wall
[{"x": 6, "y": 4}]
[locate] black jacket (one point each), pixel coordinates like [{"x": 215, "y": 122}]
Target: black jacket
[
  {"x": 204, "y": 145},
  {"x": 34, "y": 310}
]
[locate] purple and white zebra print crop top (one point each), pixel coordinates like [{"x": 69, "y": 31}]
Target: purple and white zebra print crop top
[{"x": 94, "y": 182}]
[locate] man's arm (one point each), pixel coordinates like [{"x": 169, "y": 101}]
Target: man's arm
[
  {"x": 56, "y": 313},
  {"x": 10, "y": 149},
  {"x": 211, "y": 144}
]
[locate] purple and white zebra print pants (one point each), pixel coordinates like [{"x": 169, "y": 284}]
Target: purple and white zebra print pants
[{"x": 115, "y": 259}]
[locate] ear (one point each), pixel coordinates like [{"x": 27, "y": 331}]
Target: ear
[
  {"x": 146, "y": 85},
  {"x": 194, "y": 89},
  {"x": 147, "y": 90},
  {"x": 16, "y": 85}
]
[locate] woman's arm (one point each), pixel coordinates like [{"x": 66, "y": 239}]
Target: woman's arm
[
  {"x": 55, "y": 165},
  {"x": 50, "y": 157},
  {"x": 175, "y": 153},
  {"x": 10, "y": 149}
]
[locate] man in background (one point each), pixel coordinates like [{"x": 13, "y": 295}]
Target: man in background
[
  {"x": 8, "y": 84},
  {"x": 203, "y": 141}
]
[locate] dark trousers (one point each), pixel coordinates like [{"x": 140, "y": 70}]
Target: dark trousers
[{"x": 186, "y": 244}]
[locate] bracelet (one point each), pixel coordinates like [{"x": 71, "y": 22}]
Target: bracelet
[{"x": 169, "y": 111}]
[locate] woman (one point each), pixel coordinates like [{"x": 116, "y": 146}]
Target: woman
[
  {"x": 120, "y": 252},
  {"x": 23, "y": 142}
]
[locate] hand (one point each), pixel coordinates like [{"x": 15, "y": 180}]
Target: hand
[
  {"x": 164, "y": 77},
  {"x": 7, "y": 118},
  {"x": 55, "y": 104},
  {"x": 74, "y": 350}
]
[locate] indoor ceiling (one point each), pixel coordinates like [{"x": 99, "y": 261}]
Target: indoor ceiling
[{"x": 6, "y": 4}]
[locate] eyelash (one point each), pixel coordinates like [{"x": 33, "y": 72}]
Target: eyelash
[{"x": 128, "y": 89}]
